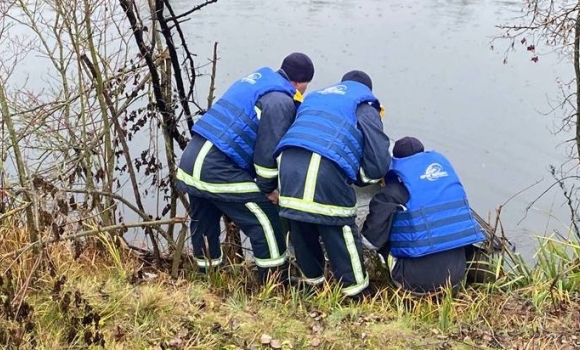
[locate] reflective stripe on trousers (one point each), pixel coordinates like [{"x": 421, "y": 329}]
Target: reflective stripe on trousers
[
  {"x": 307, "y": 203},
  {"x": 276, "y": 259},
  {"x": 205, "y": 263},
  {"x": 362, "y": 279}
]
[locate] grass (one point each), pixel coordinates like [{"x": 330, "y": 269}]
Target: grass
[{"x": 105, "y": 297}]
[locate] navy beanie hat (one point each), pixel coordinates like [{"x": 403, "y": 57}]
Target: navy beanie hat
[
  {"x": 407, "y": 146},
  {"x": 360, "y": 77},
  {"x": 298, "y": 67}
]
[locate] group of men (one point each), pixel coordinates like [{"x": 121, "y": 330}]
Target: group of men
[{"x": 266, "y": 151}]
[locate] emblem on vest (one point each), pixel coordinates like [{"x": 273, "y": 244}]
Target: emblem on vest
[
  {"x": 251, "y": 79},
  {"x": 433, "y": 172},
  {"x": 336, "y": 89}
]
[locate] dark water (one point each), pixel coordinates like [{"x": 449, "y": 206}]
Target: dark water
[{"x": 433, "y": 69}]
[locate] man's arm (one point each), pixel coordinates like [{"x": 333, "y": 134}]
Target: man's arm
[
  {"x": 382, "y": 209},
  {"x": 277, "y": 114},
  {"x": 376, "y": 157}
]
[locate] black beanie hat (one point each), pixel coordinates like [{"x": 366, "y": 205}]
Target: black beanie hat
[
  {"x": 360, "y": 77},
  {"x": 298, "y": 67},
  {"x": 407, "y": 146}
]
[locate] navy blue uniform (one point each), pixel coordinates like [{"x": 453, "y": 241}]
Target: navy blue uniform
[
  {"x": 228, "y": 167},
  {"x": 316, "y": 178},
  {"x": 423, "y": 219}
]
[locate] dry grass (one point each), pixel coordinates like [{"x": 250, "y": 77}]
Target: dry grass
[{"x": 106, "y": 297}]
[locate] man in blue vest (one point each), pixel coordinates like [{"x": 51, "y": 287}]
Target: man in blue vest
[
  {"x": 422, "y": 218},
  {"x": 337, "y": 140},
  {"x": 228, "y": 166}
]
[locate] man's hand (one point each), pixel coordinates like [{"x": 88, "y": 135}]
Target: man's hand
[{"x": 273, "y": 197}]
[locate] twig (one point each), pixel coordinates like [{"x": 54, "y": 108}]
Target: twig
[
  {"x": 91, "y": 233},
  {"x": 126, "y": 152},
  {"x": 183, "y": 98},
  {"x": 210, "y": 95},
  {"x": 168, "y": 121},
  {"x": 195, "y": 8}
]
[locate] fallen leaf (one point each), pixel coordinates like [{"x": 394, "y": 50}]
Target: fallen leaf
[
  {"x": 182, "y": 333},
  {"x": 175, "y": 342},
  {"x": 235, "y": 324},
  {"x": 317, "y": 329},
  {"x": 265, "y": 338},
  {"x": 315, "y": 342},
  {"x": 276, "y": 344},
  {"x": 118, "y": 333}
]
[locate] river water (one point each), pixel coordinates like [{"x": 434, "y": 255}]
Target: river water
[{"x": 434, "y": 70}]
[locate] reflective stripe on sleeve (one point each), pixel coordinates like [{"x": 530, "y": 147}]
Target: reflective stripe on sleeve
[
  {"x": 266, "y": 173},
  {"x": 365, "y": 179}
]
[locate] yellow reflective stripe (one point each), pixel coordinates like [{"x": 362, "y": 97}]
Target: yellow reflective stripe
[
  {"x": 382, "y": 111},
  {"x": 365, "y": 179},
  {"x": 391, "y": 261},
  {"x": 194, "y": 180},
  {"x": 258, "y": 112},
  {"x": 298, "y": 96},
  {"x": 360, "y": 277},
  {"x": 200, "y": 159},
  {"x": 210, "y": 262},
  {"x": 353, "y": 253},
  {"x": 278, "y": 162},
  {"x": 312, "y": 175},
  {"x": 313, "y": 281},
  {"x": 316, "y": 208},
  {"x": 276, "y": 258},
  {"x": 272, "y": 262},
  {"x": 236, "y": 187},
  {"x": 267, "y": 173},
  {"x": 356, "y": 288}
]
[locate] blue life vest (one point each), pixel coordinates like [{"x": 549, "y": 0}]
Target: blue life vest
[
  {"x": 326, "y": 124},
  {"x": 231, "y": 124},
  {"x": 438, "y": 216}
]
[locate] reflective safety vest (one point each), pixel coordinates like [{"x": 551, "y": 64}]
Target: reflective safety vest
[
  {"x": 326, "y": 124},
  {"x": 231, "y": 124},
  {"x": 437, "y": 215}
]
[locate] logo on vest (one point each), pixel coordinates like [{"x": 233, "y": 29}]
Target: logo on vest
[
  {"x": 433, "y": 172},
  {"x": 336, "y": 89},
  {"x": 251, "y": 79}
]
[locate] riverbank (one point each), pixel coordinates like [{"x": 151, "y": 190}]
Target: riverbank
[{"x": 107, "y": 297}]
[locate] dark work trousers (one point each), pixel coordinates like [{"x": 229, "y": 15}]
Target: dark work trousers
[
  {"x": 343, "y": 247},
  {"x": 258, "y": 220}
]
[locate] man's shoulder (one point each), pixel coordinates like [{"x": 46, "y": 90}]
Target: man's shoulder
[{"x": 276, "y": 100}]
